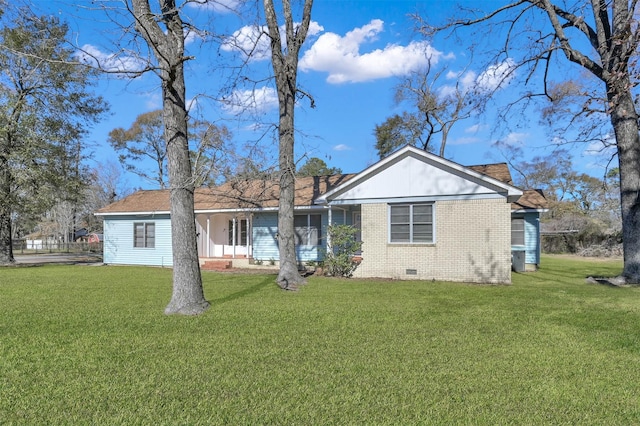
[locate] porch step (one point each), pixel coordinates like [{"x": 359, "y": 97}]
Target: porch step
[{"x": 216, "y": 265}]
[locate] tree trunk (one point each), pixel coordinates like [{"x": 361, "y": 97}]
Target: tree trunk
[
  {"x": 6, "y": 248},
  {"x": 624, "y": 119},
  {"x": 285, "y": 69},
  {"x": 188, "y": 296},
  {"x": 288, "y": 277}
]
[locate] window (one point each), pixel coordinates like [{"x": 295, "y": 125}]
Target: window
[
  {"x": 517, "y": 231},
  {"x": 308, "y": 229},
  {"x": 241, "y": 232},
  {"x": 411, "y": 223},
  {"x": 144, "y": 235}
]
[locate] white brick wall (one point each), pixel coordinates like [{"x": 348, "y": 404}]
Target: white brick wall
[{"x": 473, "y": 244}]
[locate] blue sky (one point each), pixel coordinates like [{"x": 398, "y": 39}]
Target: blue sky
[{"x": 356, "y": 53}]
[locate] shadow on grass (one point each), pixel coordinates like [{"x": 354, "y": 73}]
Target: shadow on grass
[{"x": 245, "y": 292}]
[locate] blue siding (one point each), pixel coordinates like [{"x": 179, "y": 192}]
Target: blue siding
[
  {"x": 119, "y": 250},
  {"x": 265, "y": 245},
  {"x": 265, "y": 228},
  {"x": 118, "y": 241},
  {"x": 531, "y": 237}
]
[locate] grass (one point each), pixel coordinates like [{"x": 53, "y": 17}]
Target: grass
[{"x": 82, "y": 345}]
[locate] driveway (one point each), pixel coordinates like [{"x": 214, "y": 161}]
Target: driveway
[{"x": 62, "y": 258}]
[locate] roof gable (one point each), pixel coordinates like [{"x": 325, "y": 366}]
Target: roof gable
[{"x": 411, "y": 172}]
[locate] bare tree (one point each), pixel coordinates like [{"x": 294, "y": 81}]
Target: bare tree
[
  {"x": 143, "y": 140},
  {"x": 434, "y": 107},
  {"x": 164, "y": 34},
  {"x": 284, "y": 58},
  {"x": 602, "y": 38},
  {"x": 438, "y": 108},
  {"x": 105, "y": 185},
  {"x": 212, "y": 155}
]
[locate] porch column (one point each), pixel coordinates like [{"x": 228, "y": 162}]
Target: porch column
[
  {"x": 329, "y": 235},
  {"x": 250, "y": 235},
  {"x": 233, "y": 235},
  {"x": 208, "y": 235},
  {"x": 247, "y": 251}
]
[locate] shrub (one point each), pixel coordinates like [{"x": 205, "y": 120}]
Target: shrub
[{"x": 339, "y": 261}]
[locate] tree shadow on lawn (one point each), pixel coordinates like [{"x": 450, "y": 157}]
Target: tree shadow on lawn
[
  {"x": 615, "y": 281},
  {"x": 245, "y": 292}
]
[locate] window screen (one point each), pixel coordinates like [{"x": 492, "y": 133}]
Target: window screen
[{"x": 411, "y": 223}]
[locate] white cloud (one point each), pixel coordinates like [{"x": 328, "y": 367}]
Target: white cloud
[
  {"x": 154, "y": 101},
  {"x": 446, "y": 91},
  {"x": 341, "y": 57},
  {"x": 341, "y": 147},
  {"x": 111, "y": 62},
  {"x": 475, "y": 128},
  {"x": 515, "y": 138},
  {"x": 463, "y": 141},
  {"x": 253, "y": 40},
  {"x": 250, "y": 40},
  {"x": 594, "y": 148},
  {"x": 605, "y": 147},
  {"x": 465, "y": 82},
  {"x": 256, "y": 101},
  {"x": 452, "y": 75},
  {"x": 191, "y": 35},
  {"x": 192, "y": 104},
  {"x": 468, "y": 79},
  {"x": 496, "y": 76}
]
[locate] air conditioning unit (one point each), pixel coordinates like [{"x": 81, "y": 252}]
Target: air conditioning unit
[{"x": 518, "y": 260}]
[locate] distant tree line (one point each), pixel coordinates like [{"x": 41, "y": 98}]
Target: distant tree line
[
  {"x": 46, "y": 108},
  {"x": 584, "y": 211}
]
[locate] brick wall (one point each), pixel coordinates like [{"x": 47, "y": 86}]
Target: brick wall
[{"x": 472, "y": 244}]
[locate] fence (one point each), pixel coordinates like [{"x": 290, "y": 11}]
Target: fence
[{"x": 24, "y": 247}]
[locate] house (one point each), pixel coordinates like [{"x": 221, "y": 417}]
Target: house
[
  {"x": 419, "y": 216},
  {"x": 40, "y": 241}
]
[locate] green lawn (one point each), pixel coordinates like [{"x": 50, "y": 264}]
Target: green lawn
[{"x": 81, "y": 344}]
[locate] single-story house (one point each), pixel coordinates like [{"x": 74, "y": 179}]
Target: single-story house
[
  {"x": 40, "y": 241},
  {"x": 419, "y": 216}
]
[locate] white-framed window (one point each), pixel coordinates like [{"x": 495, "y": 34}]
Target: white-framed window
[
  {"x": 241, "y": 232},
  {"x": 411, "y": 223},
  {"x": 308, "y": 229},
  {"x": 517, "y": 231},
  {"x": 144, "y": 235}
]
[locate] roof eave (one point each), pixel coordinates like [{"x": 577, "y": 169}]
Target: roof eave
[
  {"x": 145, "y": 213},
  {"x": 531, "y": 210}
]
